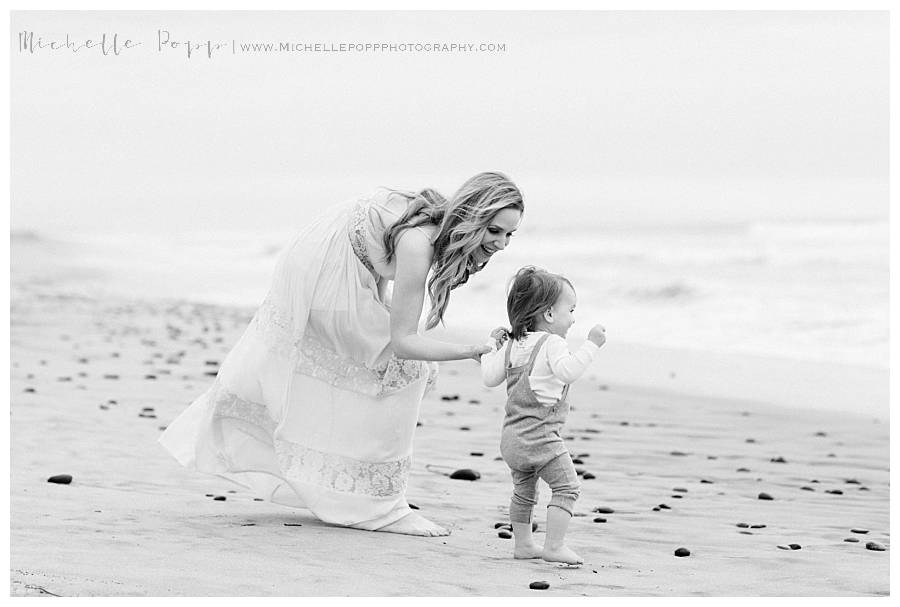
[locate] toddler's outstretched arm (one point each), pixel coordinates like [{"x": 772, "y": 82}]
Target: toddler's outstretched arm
[{"x": 569, "y": 366}]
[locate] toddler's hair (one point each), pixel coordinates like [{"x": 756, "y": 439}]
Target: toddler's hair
[{"x": 532, "y": 292}]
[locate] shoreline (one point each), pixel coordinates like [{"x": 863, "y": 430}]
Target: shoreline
[{"x": 93, "y": 382}]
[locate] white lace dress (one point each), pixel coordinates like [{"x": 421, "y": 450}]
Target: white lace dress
[{"x": 312, "y": 408}]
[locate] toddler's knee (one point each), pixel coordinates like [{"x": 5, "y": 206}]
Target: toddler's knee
[{"x": 569, "y": 490}]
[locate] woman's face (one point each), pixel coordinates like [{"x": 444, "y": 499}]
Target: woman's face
[{"x": 497, "y": 235}]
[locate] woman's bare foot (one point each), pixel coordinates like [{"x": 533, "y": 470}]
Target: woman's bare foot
[
  {"x": 414, "y": 524},
  {"x": 563, "y": 554}
]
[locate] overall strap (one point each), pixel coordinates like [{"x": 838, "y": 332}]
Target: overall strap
[
  {"x": 506, "y": 355},
  {"x": 534, "y": 352}
]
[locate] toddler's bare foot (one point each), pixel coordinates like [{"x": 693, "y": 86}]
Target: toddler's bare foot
[
  {"x": 527, "y": 551},
  {"x": 563, "y": 554},
  {"x": 414, "y": 524}
]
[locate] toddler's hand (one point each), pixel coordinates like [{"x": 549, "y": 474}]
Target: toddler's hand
[
  {"x": 597, "y": 335},
  {"x": 500, "y": 335}
]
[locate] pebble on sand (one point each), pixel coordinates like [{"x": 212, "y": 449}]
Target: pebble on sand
[
  {"x": 862, "y": 531},
  {"x": 466, "y": 474},
  {"x": 743, "y": 525},
  {"x": 603, "y": 510},
  {"x": 743, "y": 470},
  {"x": 778, "y": 460},
  {"x": 539, "y": 585},
  {"x": 599, "y": 519},
  {"x": 807, "y": 488},
  {"x": 588, "y": 476},
  {"x": 794, "y": 546},
  {"x": 875, "y": 546},
  {"x": 60, "y": 479},
  {"x": 413, "y": 506},
  {"x": 220, "y": 498},
  {"x": 834, "y": 491},
  {"x": 476, "y": 453},
  {"x": 757, "y": 526},
  {"x": 705, "y": 481},
  {"x": 30, "y": 390},
  {"x": 851, "y": 539},
  {"x": 678, "y": 453},
  {"x": 680, "y": 490},
  {"x": 450, "y": 397},
  {"x": 504, "y": 534},
  {"x": 682, "y": 552},
  {"x": 765, "y": 496},
  {"x": 665, "y": 507}
]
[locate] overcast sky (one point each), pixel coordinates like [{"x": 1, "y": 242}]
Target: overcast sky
[{"x": 628, "y": 116}]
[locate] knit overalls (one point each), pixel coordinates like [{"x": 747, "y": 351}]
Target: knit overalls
[{"x": 531, "y": 445}]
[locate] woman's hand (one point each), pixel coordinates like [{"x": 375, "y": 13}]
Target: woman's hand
[{"x": 478, "y": 352}]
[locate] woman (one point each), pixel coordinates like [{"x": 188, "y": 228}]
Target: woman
[{"x": 317, "y": 403}]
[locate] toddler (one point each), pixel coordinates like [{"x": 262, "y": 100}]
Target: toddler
[{"x": 538, "y": 368}]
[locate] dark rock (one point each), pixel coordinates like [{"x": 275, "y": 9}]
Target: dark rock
[
  {"x": 676, "y": 496},
  {"x": 110, "y": 376},
  {"x": 743, "y": 470},
  {"x": 149, "y": 377},
  {"x": 778, "y": 460},
  {"x": 851, "y": 539},
  {"x": 682, "y": 552},
  {"x": 603, "y": 510},
  {"x": 757, "y": 526},
  {"x": 538, "y": 585},
  {"x": 665, "y": 507},
  {"x": 450, "y": 397},
  {"x": 584, "y": 455},
  {"x": 794, "y": 546},
  {"x": 476, "y": 454},
  {"x": 30, "y": 390},
  {"x": 861, "y": 531},
  {"x": 474, "y": 401},
  {"x": 834, "y": 491},
  {"x": 655, "y": 508},
  {"x": 599, "y": 519},
  {"x": 814, "y": 481},
  {"x": 413, "y": 506},
  {"x": 60, "y": 479},
  {"x": 875, "y": 546},
  {"x": 680, "y": 490},
  {"x": 588, "y": 476},
  {"x": 464, "y": 428},
  {"x": 258, "y": 499},
  {"x": 678, "y": 453},
  {"x": 765, "y": 496},
  {"x": 750, "y": 440},
  {"x": 705, "y": 482},
  {"x": 293, "y": 524},
  {"x": 821, "y": 434},
  {"x": 712, "y": 457},
  {"x": 577, "y": 461},
  {"x": 504, "y": 534},
  {"x": 863, "y": 488},
  {"x": 807, "y": 488},
  {"x": 498, "y": 525},
  {"x": 783, "y": 547},
  {"x": 466, "y": 474},
  {"x": 220, "y": 498},
  {"x": 852, "y": 481},
  {"x": 743, "y": 525}
]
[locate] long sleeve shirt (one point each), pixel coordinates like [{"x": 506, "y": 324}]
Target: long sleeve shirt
[{"x": 553, "y": 368}]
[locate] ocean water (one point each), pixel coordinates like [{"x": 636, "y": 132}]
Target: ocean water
[{"x": 815, "y": 291}]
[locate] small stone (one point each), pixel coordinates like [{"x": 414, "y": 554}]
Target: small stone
[
  {"x": 678, "y": 453},
  {"x": 584, "y": 455},
  {"x": 807, "y": 488},
  {"x": 465, "y": 428},
  {"x": 413, "y": 506},
  {"x": 834, "y": 491},
  {"x": 577, "y": 461},
  {"x": 750, "y": 440},
  {"x": 466, "y": 474},
  {"x": 743, "y": 470},
  {"x": 60, "y": 479},
  {"x": 680, "y": 490},
  {"x": 875, "y": 546},
  {"x": 30, "y": 390},
  {"x": 852, "y": 481},
  {"x": 765, "y": 496},
  {"x": 778, "y": 460},
  {"x": 588, "y": 476},
  {"x": 783, "y": 547},
  {"x": 504, "y": 534},
  {"x": 220, "y": 498},
  {"x": 676, "y": 496},
  {"x": 209, "y": 495},
  {"x": 293, "y": 524},
  {"x": 231, "y": 491},
  {"x": 258, "y": 499},
  {"x": 498, "y": 525},
  {"x": 104, "y": 407},
  {"x": 821, "y": 434},
  {"x": 743, "y": 525},
  {"x": 682, "y": 552},
  {"x": 745, "y": 532},
  {"x": 655, "y": 508},
  {"x": 863, "y": 488},
  {"x": 712, "y": 457},
  {"x": 757, "y": 526},
  {"x": 110, "y": 376},
  {"x": 476, "y": 453},
  {"x": 539, "y": 585},
  {"x": 603, "y": 510},
  {"x": 665, "y": 507},
  {"x": 851, "y": 539},
  {"x": 599, "y": 519},
  {"x": 861, "y": 531},
  {"x": 794, "y": 546},
  {"x": 705, "y": 482},
  {"x": 474, "y": 401},
  {"x": 449, "y": 397},
  {"x": 814, "y": 481}
]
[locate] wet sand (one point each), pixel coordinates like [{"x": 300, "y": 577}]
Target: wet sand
[{"x": 93, "y": 382}]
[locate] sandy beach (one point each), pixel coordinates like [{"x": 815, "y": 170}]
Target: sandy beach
[{"x": 93, "y": 383}]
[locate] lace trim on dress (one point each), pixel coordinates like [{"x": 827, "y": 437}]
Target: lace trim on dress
[
  {"x": 343, "y": 474},
  {"x": 356, "y": 232},
  {"x": 316, "y": 359}
]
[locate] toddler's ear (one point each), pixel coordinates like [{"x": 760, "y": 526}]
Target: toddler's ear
[{"x": 548, "y": 315}]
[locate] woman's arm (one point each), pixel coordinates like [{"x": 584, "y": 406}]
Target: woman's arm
[{"x": 414, "y": 253}]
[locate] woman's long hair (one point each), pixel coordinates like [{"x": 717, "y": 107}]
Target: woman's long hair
[{"x": 461, "y": 223}]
